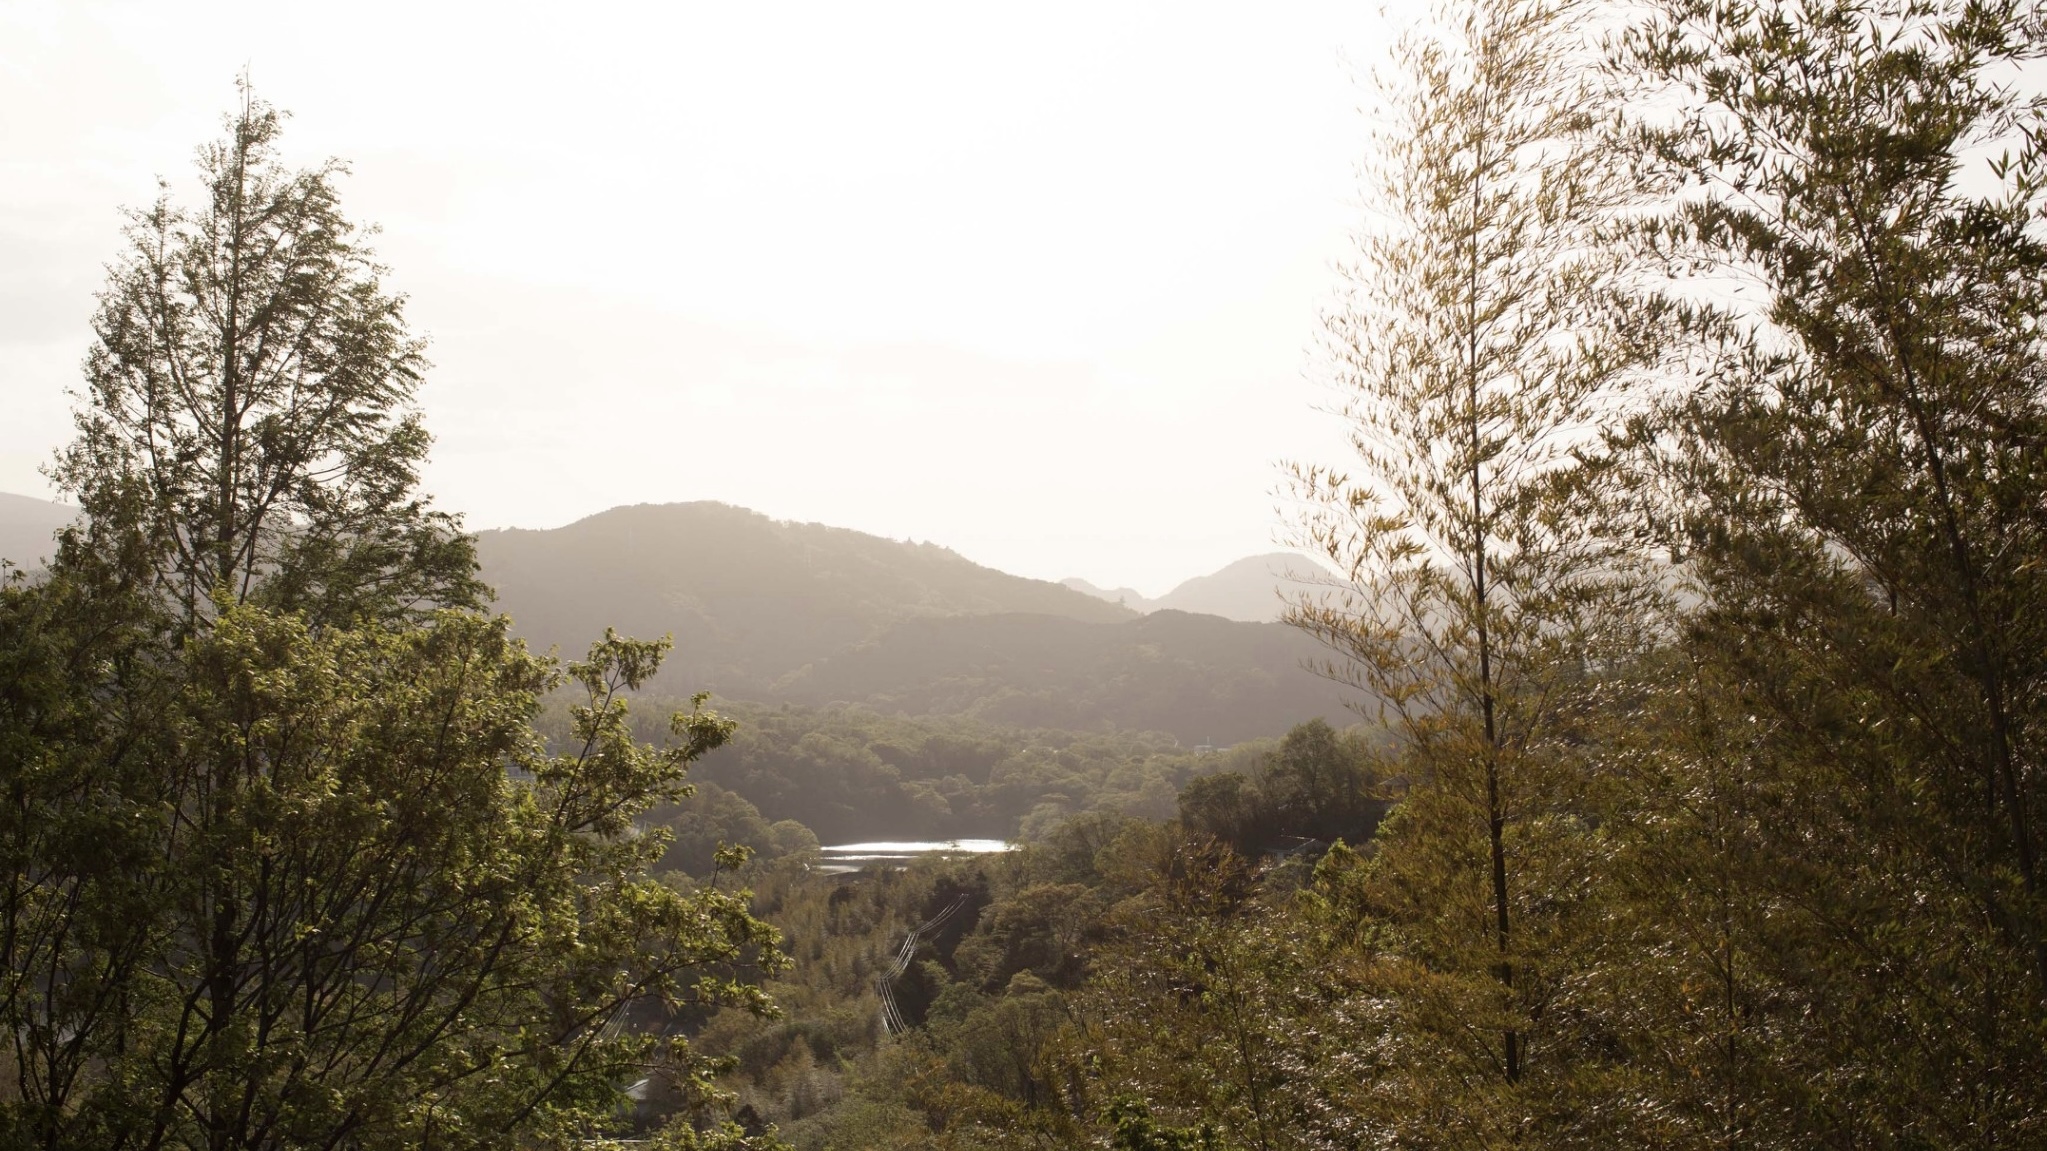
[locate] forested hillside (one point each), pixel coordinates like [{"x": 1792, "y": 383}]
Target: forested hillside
[
  {"x": 764, "y": 610},
  {"x": 1201, "y": 678},
  {"x": 749, "y": 599},
  {"x": 849, "y": 774}
]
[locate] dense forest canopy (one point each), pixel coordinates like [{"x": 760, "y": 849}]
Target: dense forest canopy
[{"x": 1696, "y": 636}]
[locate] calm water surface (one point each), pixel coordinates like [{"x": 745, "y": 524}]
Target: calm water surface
[{"x": 895, "y": 853}]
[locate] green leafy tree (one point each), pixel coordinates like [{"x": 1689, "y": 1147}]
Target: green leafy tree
[
  {"x": 1218, "y": 1002},
  {"x": 364, "y": 929},
  {"x": 1323, "y": 784},
  {"x": 82, "y": 889},
  {"x": 1136, "y": 1130},
  {"x": 247, "y": 420},
  {"x": 286, "y": 862}
]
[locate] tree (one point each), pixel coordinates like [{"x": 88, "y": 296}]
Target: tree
[
  {"x": 1318, "y": 784},
  {"x": 1135, "y": 1130},
  {"x": 1480, "y": 347},
  {"x": 359, "y": 928},
  {"x": 80, "y": 891},
  {"x": 286, "y": 863},
  {"x": 1863, "y": 509},
  {"x": 1322, "y": 784},
  {"x": 1217, "y": 1003},
  {"x": 246, "y": 415}
]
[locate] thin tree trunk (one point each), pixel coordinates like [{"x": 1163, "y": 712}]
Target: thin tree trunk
[{"x": 1496, "y": 822}]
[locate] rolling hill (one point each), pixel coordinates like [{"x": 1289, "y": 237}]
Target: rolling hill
[
  {"x": 770, "y": 611},
  {"x": 749, "y": 599},
  {"x": 26, "y": 525}
]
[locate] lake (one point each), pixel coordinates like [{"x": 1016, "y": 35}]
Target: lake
[{"x": 845, "y": 857}]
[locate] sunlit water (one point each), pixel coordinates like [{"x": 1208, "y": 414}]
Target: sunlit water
[{"x": 846, "y": 857}]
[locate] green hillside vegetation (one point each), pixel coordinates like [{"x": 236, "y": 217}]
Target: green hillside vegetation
[
  {"x": 1202, "y": 679},
  {"x": 1114, "y": 958},
  {"x": 1704, "y": 638},
  {"x": 849, "y": 774}
]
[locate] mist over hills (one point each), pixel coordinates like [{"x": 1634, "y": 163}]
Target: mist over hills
[{"x": 1251, "y": 589}]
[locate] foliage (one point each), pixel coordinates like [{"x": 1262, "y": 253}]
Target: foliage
[
  {"x": 283, "y": 860},
  {"x": 850, "y": 774},
  {"x": 1857, "y": 485},
  {"x": 335, "y": 914},
  {"x": 1063, "y": 985},
  {"x": 1135, "y": 1130},
  {"x": 1693, "y": 584},
  {"x": 1488, "y": 333},
  {"x": 1319, "y": 785},
  {"x": 246, "y": 423}
]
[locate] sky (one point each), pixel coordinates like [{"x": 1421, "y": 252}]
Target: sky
[{"x": 1040, "y": 282}]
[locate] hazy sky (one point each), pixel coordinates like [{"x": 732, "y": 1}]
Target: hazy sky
[{"x": 1035, "y": 281}]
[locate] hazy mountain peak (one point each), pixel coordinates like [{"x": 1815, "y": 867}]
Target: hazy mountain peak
[
  {"x": 1250, "y": 589},
  {"x": 26, "y": 527},
  {"x": 1128, "y": 597}
]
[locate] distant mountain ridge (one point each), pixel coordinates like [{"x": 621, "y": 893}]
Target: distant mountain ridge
[
  {"x": 772, "y": 611},
  {"x": 27, "y": 526},
  {"x": 1254, "y": 589},
  {"x": 1127, "y": 596},
  {"x": 749, "y": 599}
]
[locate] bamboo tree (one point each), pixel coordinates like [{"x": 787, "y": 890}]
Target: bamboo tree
[
  {"x": 1864, "y": 504},
  {"x": 1478, "y": 348}
]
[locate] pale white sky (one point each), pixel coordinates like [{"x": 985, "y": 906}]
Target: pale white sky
[{"x": 1034, "y": 281}]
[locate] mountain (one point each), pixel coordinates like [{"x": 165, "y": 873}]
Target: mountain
[
  {"x": 749, "y": 599},
  {"x": 1128, "y": 597},
  {"x": 1247, "y": 590},
  {"x": 1200, "y": 678},
  {"x": 774, "y": 612},
  {"x": 26, "y": 525}
]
